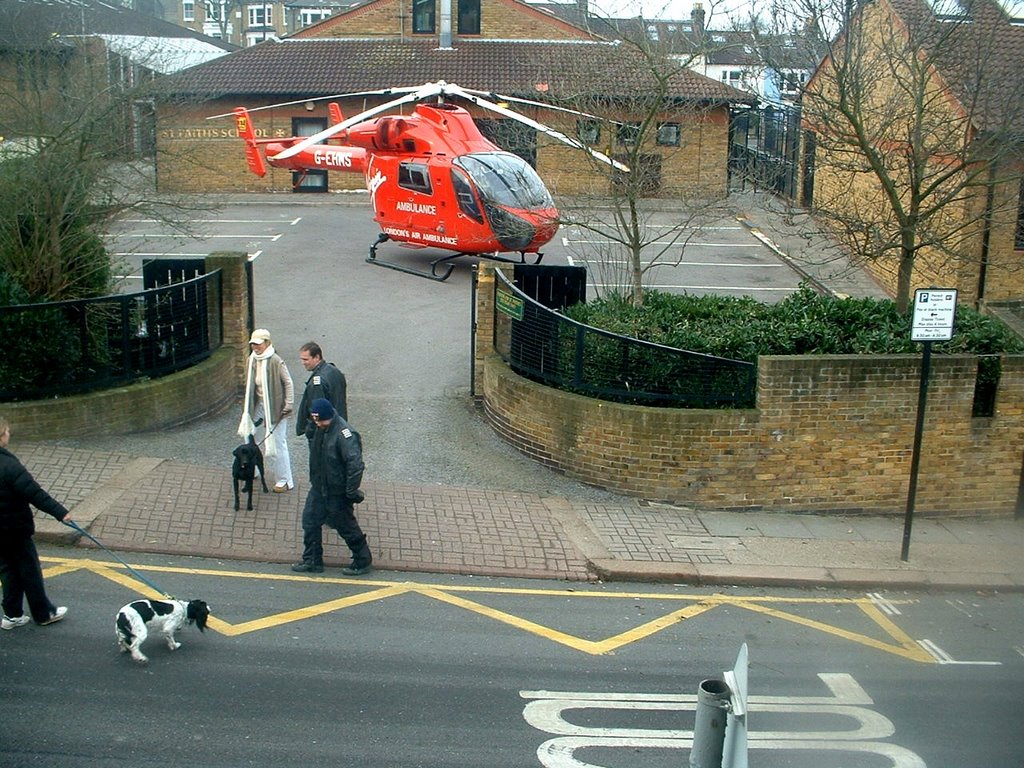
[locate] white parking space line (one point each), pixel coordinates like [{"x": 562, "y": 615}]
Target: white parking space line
[
  {"x": 291, "y": 223},
  {"x": 610, "y": 262},
  {"x": 692, "y": 244},
  {"x": 147, "y": 236},
  {"x": 713, "y": 288},
  {"x": 124, "y": 254}
]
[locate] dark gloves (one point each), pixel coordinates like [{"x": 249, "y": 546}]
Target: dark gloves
[{"x": 356, "y": 496}]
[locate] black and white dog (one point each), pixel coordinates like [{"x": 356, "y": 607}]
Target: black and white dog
[
  {"x": 248, "y": 460},
  {"x": 137, "y": 619}
]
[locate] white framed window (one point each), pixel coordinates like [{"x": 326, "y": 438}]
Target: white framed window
[
  {"x": 261, "y": 15},
  {"x": 214, "y": 10},
  {"x": 309, "y": 16},
  {"x": 188, "y": 10}
]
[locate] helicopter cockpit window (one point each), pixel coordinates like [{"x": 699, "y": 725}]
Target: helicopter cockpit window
[
  {"x": 505, "y": 179},
  {"x": 414, "y": 176},
  {"x": 464, "y": 194}
]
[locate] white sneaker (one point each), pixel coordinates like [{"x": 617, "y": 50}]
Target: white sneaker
[
  {"x": 55, "y": 617},
  {"x": 17, "y": 621}
]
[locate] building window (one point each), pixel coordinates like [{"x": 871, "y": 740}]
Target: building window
[
  {"x": 628, "y": 134},
  {"x": 214, "y": 11},
  {"x": 261, "y": 15},
  {"x": 423, "y": 16},
  {"x": 188, "y": 10},
  {"x": 1018, "y": 240},
  {"x": 310, "y": 16},
  {"x": 589, "y": 131},
  {"x": 469, "y": 17},
  {"x": 669, "y": 134}
]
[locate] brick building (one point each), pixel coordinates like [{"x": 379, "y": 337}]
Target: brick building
[
  {"x": 501, "y": 46},
  {"x": 937, "y": 90}
]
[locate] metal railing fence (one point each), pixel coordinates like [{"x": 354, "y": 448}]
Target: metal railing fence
[
  {"x": 546, "y": 346},
  {"x": 70, "y": 347}
]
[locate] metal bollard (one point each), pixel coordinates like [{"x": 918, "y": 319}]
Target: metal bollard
[{"x": 709, "y": 728}]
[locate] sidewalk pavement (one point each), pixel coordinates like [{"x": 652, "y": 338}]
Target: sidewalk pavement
[{"x": 140, "y": 504}]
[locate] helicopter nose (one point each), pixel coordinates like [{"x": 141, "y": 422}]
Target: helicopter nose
[{"x": 513, "y": 232}]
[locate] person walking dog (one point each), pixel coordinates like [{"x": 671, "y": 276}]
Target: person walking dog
[
  {"x": 269, "y": 395},
  {"x": 20, "y": 569}
]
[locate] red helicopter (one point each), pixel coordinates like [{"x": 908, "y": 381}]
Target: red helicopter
[{"x": 434, "y": 180}]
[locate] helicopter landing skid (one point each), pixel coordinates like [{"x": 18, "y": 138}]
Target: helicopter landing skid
[{"x": 431, "y": 275}]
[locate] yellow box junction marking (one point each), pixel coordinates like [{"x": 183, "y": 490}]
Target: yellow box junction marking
[{"x": 902, "y": 645}]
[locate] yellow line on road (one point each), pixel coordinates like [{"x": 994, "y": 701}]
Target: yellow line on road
[
  {"x": 305, "y": 613},
  {"x": 904, "y": 646},
  {"x": 913, "y": 653}
]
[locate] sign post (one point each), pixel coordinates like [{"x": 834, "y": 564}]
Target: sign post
[{"x": 934, "y": 317}]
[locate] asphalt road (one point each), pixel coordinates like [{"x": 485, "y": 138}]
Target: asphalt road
[{"x": 448, "y": 672}]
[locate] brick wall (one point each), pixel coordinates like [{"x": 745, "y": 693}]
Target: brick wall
[
  {"x": 498, "y": 19},
  {"x": 829, "y": 433},
  {"x": 210, "y": 387}
]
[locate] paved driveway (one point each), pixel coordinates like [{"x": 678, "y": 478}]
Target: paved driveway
[{"x": 403, "y": 342}]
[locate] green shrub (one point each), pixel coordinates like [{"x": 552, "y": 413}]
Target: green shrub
[{"x": 805, "y": 323}]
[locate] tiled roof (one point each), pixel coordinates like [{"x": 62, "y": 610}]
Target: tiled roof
[
  {"x": 981, "y": 60},
  {"x": 35, "y": 23},
  {"x": 531, "y": 69}
]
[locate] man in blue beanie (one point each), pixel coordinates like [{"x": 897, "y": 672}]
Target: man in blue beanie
[{"x": 335, "y": 472}]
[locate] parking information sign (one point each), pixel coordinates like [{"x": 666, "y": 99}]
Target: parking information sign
[{"x": 934, "y": 312}]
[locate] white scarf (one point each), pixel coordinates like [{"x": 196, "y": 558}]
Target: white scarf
[{"x": 246, "y": 426}]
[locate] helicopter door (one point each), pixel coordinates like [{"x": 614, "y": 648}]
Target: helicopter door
[{"x": 312, "y": 180}]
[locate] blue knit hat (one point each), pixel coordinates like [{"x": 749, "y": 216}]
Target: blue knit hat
[{"x": 322, "y": 409}]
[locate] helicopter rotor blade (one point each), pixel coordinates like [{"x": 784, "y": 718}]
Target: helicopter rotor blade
[
  {"x": 544, "y": 105},
  {"x": 381, "y": 92},
  {"x": 482, "y": 102},
  {"x": 424, "y": 91}
]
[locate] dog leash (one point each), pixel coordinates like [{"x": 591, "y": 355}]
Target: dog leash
[{"x": 99, "y": 544}]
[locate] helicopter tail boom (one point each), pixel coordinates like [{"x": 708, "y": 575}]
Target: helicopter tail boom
[{"x": 247, "y": 133}]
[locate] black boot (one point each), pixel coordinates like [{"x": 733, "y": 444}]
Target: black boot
[{"x": 362, "y": 559}]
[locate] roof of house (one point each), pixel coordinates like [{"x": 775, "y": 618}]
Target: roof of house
[
  {"x": 980, "y": 57},
  {"x": 36, "y": 24},
  {"x": 538, "y": 69}
]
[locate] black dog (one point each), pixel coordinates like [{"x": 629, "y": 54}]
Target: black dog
[{"x": 248, "y": 459}]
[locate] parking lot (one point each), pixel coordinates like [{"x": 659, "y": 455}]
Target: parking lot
[{"x": 720, "y": 257}]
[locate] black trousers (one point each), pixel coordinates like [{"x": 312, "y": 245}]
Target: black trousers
[
  {"x": 337, "y": 512},
  {"x": 23, "y": 578}
]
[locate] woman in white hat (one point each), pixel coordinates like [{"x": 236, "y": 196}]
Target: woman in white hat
[{"x": 269, "y": 395}]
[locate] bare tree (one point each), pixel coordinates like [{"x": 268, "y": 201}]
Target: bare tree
[
  {"x": 75, "y": 121},
  {"x": 915, "y": 115},
  {"x": 643, "y": 219}
]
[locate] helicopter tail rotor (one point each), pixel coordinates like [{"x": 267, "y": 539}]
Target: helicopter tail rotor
[{"x": 247, "y": 133}]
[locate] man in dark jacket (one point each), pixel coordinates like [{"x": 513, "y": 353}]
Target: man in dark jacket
[
  {"x": 335, "y": 472},
  {"x": 325, "y": 381},
  {"x": 20, "y": 569}
]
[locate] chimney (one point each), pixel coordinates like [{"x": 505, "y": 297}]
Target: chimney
[
  {"x": 446, "y": 25},
  {"x": 697, "y": 16},
  {"x": 583, "y": 9}
]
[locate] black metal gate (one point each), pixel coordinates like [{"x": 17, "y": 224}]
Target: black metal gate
[
  {"x": 176, "y": 325},
  {"x": 534, "y": 344}
]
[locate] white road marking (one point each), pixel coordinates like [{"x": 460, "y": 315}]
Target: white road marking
[
  {"x": 944, "y": 658},
  {"x": 848, "y": 701},
  {"x": 883, "y": 604},
  {"x": 691, "y": 244},
  {"x": 698, "y": 287},
  {"x": 214, "y": 221}
]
